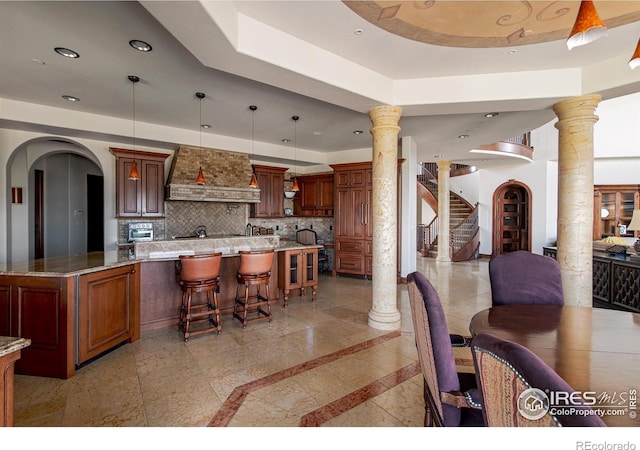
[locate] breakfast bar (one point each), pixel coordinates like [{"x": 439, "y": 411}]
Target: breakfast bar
[{"x": 74, "y": 309}]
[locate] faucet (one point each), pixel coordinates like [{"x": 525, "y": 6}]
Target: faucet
[{"x": 248, "y": 231}]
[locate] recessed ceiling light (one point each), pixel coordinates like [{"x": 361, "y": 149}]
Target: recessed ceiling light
[
  {"x": 205, "y": 126},
  {"x": 512, "y": 52},
  {"x": 358, "y": 31},
  {"x": 66, "y": 52},
  {"x": 71, "y": 98},
  {"x": 317, "y": 133},
  {"x": 493, "y": 114},
  {"x": 38, "y": 61},
  {"x": 357, "y": 132},
  {"x": 286, "y": 141},
  {"x": 463, "y": 136},
  {"x": 437, "y": 156},
  {"x": 141, "y": 46}
]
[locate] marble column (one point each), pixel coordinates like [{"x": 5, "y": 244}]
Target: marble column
[
  {"x": 444, "y": 207},
  {"x": 575, "y": 124},
  {"x": 384, "y": 314}
]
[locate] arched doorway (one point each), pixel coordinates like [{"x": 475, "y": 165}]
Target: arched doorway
[
  {"x": 511, "y": 218},
  {"x": 62, "y": 213}
]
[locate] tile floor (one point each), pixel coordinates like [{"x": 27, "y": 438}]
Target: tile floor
[{"x": 314, "y": 365}]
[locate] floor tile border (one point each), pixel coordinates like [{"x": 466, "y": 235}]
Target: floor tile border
[{"x": 231, "y": 405}]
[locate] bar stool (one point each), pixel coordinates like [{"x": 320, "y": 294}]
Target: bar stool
[
  {"x": 254, "y": 270},
  {"x": 199, "y": 273}
]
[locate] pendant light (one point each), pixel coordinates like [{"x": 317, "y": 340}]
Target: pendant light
[
  {"x": 635, "y": 59},
  {"x": 254, "y": 181},
  {"x": 133, "y": 173},
  {"x": 200, "y": 178},
  {"x": 295, "y": 187},
  {"x": 588, "y": 26}
]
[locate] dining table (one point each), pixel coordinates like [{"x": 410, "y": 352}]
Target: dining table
[{"x": 595, "y": 350}]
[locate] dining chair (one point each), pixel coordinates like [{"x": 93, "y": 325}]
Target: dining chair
[
  {"x": 514, "y": 384},
  {"x": 450, "y": 397},
  {"x": 525, "y": 278}
]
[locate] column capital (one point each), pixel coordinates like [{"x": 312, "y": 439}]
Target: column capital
[
  {"x": 443, "y": 164},
  {"x": 577, "y": 109},
  {"x": 385, "y": 116}
]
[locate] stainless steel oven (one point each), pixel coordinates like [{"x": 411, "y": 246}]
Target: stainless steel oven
[{"x": 140, "y": 231}]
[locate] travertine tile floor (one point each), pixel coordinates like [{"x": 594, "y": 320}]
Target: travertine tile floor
[{"x": 316, "y": 364}]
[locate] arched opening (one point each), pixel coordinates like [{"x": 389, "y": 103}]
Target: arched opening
[
  {"x": 511, "y": 218},
  {"x": 62, "y": 213}
]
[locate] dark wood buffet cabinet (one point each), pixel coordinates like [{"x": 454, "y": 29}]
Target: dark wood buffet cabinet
[{"x": 616, "y": 280}]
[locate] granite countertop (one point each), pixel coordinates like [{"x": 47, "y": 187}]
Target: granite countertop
[
  {"x": 12, "y": 344},
  {"x": 69, "y": 266}
]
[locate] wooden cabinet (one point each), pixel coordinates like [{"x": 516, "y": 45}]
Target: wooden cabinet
[
  {"x": 616, "y": 280},
  {"x": 108, "y": 310},
  {"x": 298, "y": 269},
  {"x": 315, "y": 197},
  {"x": 143, "y": 197},
  {"x": 353, "y": 228},
  {"x": 271, "y": 185},
  {"x": 613, "y": 207},
  {"x": 40, "y": 309}
]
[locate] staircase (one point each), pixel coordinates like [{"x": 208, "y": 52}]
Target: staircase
[{"x": 463, "y": 221}]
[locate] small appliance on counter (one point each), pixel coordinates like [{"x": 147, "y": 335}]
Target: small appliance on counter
[{"x": 140, "y": 231}]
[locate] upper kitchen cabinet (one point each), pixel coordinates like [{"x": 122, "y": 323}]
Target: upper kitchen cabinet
[
  {"x": 143, "y": 197},
  {"x": 316, "y": 196},
  {"x": 271, "y": 185}
]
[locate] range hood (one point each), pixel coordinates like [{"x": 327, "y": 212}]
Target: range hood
[{"x": 227, "y": 176}]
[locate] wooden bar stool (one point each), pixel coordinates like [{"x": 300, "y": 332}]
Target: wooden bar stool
[
  {"x": 199, "y": 273},
  {"x": 254, "y": 270}
]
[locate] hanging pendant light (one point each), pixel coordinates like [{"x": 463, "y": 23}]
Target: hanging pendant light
[
  {"x": 200, "y": 181},
  {"x": 133, "y": 173},
  {"x": 635, "y": 59},
  {"x": 254, "y": 181},
  {"x": 588, "y": 26},
  {"x": 295, "y": 187}
]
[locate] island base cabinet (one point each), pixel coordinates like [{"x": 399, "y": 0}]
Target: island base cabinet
[
  {"x": 37, "y": 308},
  {"x": 298, "y": 270},
  {"x": 108, "y": 310}
]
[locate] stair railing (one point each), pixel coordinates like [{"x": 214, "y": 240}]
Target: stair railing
[
  {"x": 426, "y": 236},
  {"x": 462, "y": 233}
]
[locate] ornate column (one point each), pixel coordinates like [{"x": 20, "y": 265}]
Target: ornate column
[
  {"x": 444, "y": 207},
  {"x": 576, "y": 119},
  {"x": 384, "y": 314}
]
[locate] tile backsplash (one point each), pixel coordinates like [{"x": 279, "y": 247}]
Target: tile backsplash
[{"x": 183, "y": 217}]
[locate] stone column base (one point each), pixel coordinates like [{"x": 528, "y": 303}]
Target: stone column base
[{"x": 384, "y": 321}]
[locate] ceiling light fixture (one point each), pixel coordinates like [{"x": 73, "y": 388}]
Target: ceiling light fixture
[
  {"x": 141, "y": 46},
  {"x": 635, "y": 59},
  {"x": 463, "y": 136},
  {"x": 66, "y": 52},
  {"x": 357, "y": 132},
  {"x": 254, "y": 182},
  {"x": 133, "y": 173},
  {"x": 295, "y": 187},
  {"x": 71, "y": 98},
  {"x": 200, "y": 181},
  {"x": 588, "y": 26},
  {"x": 490, "y": 115},
  {"x": 286, "y": 141},
  {"x": 206, "y": 126}
]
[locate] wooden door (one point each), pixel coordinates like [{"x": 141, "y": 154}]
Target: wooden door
[
  {"x": 512, "y": 218},
  {"x": 152, "y": 194}
]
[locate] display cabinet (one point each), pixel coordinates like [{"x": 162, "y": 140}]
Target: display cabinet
[
  {"x": 298, "y": 269},
  {"x": 613, "y": 207}
]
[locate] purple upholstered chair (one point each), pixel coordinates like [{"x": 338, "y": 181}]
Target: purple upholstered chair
[
  {"x": 445, "y": 404},
  {"x": 525, "y": 278},
  {"x": 504, "y": 370}
]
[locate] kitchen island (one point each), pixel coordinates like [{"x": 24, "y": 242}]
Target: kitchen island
[{"x": 74, "y": 309}]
